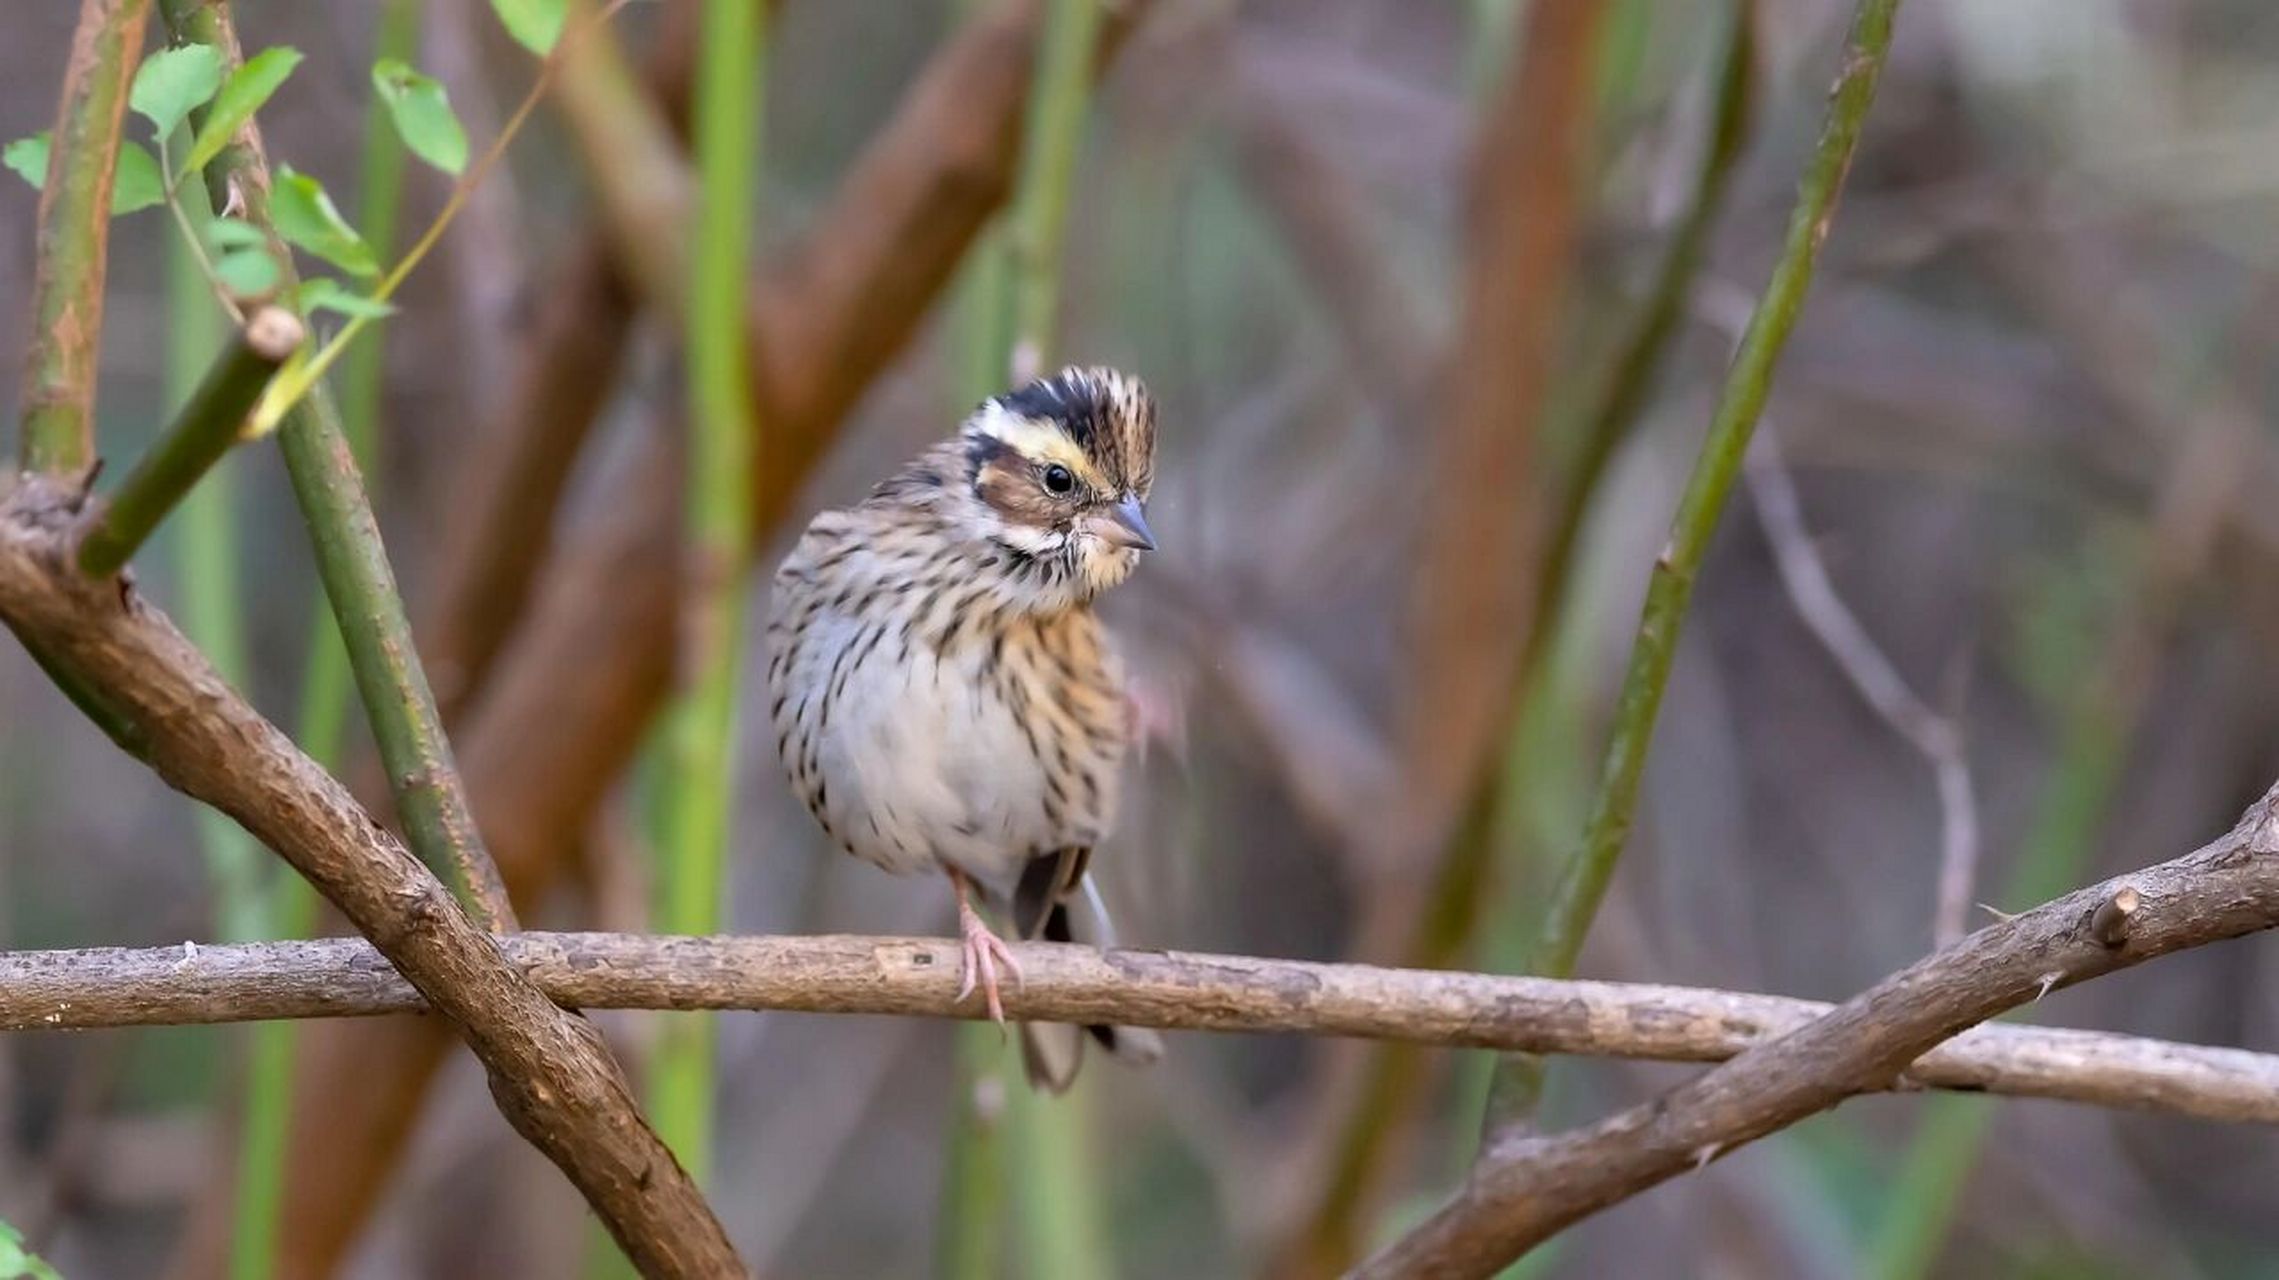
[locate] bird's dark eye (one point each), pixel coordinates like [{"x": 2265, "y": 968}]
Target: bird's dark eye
[{"x": 1059, "y": 479}]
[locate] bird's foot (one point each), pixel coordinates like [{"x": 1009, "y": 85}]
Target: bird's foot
[{"x": 984, "y": 951}]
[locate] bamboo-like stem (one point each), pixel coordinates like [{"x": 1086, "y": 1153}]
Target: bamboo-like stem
[
  {"x": 353, "y": 564},
  {"x": 700, "y": 783},
  {"x": 1057, "y": 1192},
  {"x": 75, "y": 236},
  {"x": 1059, "y": 102},
  {"x": 918, "y": 977},
  {"x": 200, "y": 434},
  {"x": 1587, "y": 872}
]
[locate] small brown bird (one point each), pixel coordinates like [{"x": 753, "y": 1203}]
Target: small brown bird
[{"x": 942, "y": 695}]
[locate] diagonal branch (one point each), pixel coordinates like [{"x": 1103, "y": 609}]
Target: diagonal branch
[
  {"x": 75, "y": 236},
  {"x": 550, "y": 1073},
  {"x": 346, "y": 977},
  {"x": 1524, "y": 1188}
]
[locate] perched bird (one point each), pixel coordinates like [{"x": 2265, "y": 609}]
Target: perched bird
[{"x": 942, "y": 695}]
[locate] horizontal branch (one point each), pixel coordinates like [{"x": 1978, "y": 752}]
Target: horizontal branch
[{"x": 344, "y": 977}]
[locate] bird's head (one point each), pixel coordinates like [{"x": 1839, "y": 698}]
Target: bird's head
[{"x": 1060, "y": 471}]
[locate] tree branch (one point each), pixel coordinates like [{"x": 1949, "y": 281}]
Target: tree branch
[
  {"x": 75, "y": 237},
  {"x": 550, "y": 1072},
  {"x": 346, "y": 977},
  {"x": 197, "y": 438},
  {"x": 1526, "y": 1188}
]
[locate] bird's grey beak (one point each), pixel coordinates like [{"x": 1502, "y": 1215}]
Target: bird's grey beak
[{"x": 1123, "y": 525}]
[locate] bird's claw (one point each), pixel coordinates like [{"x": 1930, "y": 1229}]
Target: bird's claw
[{"x": 984, "y": 951}]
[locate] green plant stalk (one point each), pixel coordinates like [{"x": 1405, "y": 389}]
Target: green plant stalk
[
  {"x": 327, "y": 688},
  {"x": 700, "y": 785},
  {"x": 1059, "y": 98},
  {"x": 1062, "y": 1215},
  {"x": 431, "y": 802},
  {"x": 199, "y": 435},
  {"x": 1584, "y": 880},
  {"x": 970, "y": 1241},
  {"x": 75, "y": 236}
]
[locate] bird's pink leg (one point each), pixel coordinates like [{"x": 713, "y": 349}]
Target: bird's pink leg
[{"x": 984, "y": 951}]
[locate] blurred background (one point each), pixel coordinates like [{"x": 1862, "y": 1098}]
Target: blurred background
[{"x": 1408, "y": 280}]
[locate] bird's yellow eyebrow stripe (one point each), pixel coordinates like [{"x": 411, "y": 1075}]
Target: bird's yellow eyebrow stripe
[{"x": 1042, "y": 443}]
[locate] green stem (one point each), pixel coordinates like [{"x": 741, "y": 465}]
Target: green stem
[
  {"x": 1062, "y": 1203},
  {"x": 1059, "y": 101},
  {"x": 431, "y": 801},
  {"x": 200, "y": 434},
  {"x": 1584, "y": 880},
  {"x": 701, "y": 782},
  {"x": 75, "y": 235}
]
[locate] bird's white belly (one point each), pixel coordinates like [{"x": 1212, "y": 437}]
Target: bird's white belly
[{"x": 925, "y": 764}]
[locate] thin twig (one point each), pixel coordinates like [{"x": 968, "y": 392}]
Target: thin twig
[
  {"x": 918, "y": 977},
  {"x": 200, "y": 434},
  {"x": 1873, "y": 677},
  {"x": 75, "y": 236},
  {"x": 1525, "y": 1189}
]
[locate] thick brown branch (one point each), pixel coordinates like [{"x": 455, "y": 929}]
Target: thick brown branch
[
  {"x": 346, "y": 977},
  {"x": 552, "y": 1076},
  {"x": 1527, "y": 1188}
]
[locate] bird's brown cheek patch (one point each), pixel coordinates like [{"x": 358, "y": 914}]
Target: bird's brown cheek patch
[{"x": 1013, "y": 494}]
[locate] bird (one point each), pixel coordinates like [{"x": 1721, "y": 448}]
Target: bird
[{"x": 943, "y": 696}]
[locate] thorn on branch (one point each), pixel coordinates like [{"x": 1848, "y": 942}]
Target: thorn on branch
[{"x": 2109, "y": 924}]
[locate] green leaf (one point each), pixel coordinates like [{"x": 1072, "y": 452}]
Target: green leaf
[
  {"x": 322, "y": 293},
  {"x": 136, "y": 183},
  {"x": 28, "y": 157},
  {"x": 422, "y": 114},
  {"x": 241, "y": 95},
  {"x": 536, "y": 23},
  {"x": 234, "y": 233},
  {"x": 174, "y": 82},
  {"x": 18, "y": 1262},
  {"x": 248, "y": 273},
  {"x": 307, "y": 219}
]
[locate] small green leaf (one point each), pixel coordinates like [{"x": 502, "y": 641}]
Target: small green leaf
[
  {"x": 28, "y": 157},
  {"x": 536, "y": 23},
  {"x": 136, "y": 183},
  {"x": 174, "y": 82},
  {"x": 422, "y": 114},
  {"x": 241, "y": 95},
  {"x": 233, "y": 233},
  {"x": 18, "y": 1262},
  {"x": 322, "y": 293},
  {"x": 307, "y": 219},
  {"x": 248, "y": 273}
]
